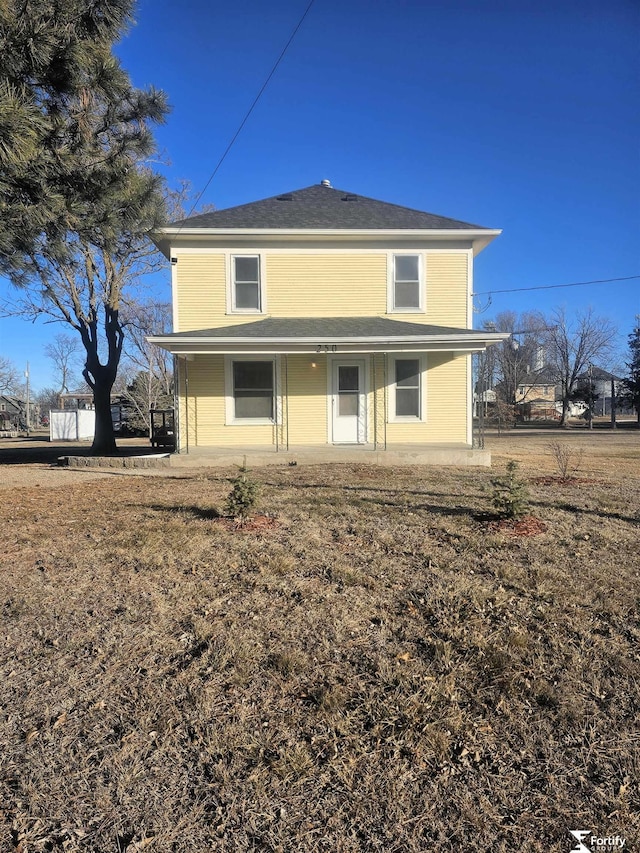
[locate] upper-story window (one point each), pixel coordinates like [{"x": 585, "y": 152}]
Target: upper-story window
[
  {"x": 407, "y": 283},
  {"x": 246, "y": 287}
]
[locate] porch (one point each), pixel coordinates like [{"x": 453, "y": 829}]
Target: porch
[{"x": 352, "y": 389}]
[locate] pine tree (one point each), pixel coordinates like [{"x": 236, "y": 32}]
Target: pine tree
[
  {"x": 631, "y": 383},
  {"x": 76, "y": 200},
  {"x": 242, "y": 497},
  {"x": 510, "y": 495}
]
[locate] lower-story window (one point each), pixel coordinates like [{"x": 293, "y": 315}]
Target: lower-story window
[
  {"x": 253, "y": 390},
  {"x": 407, "y": 388}
]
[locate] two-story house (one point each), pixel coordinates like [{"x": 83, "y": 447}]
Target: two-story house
[
  {"x": 606, "y": 387},
  {"x": 319, "y": 317},
  {"x": 12, "y": 412},
  {"x": 536, "y": 395}
]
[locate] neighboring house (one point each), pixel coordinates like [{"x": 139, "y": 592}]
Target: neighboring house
[
  {"x": 537, "y": 385},
  {"x": 536, "y": 395},
  {"x": 12, "y": 412},
  {"x": 483, "y": 399},
  {"x": 602, "y": 385},
  {"x": 320, "y": 317}
]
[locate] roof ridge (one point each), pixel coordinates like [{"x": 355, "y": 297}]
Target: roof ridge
[{"x": 319, "y": 208}]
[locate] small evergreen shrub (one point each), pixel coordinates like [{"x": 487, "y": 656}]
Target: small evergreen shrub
[
  {"x": 243, "y": 495},
  {"x": 510, "y": 495}
]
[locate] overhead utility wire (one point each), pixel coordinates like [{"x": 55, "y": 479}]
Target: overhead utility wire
[
  {"x": 552, "y": 286},
  {"x": 251, "y": 108}
]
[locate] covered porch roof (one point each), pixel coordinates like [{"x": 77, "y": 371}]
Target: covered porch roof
[{"x": 284, "y": 335}]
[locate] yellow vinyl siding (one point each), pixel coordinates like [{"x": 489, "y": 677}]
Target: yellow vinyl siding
[
  {"x": 377, "y": 402},
  {"x": 206, "y": 399},
  {"x": 447, "y": 289},
  {"x": 305, "y": 405},
  {"x": 206, "y": 408},
  {"x": 326, "y": 285},
  {"x": 201, "y": 291},
  {"x": 445, "y": 386},
  {"x": 331, "y": 284},
  {"x": 447, "y": 398}
]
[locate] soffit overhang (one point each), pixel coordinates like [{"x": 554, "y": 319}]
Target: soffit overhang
[{"x": 169, "y": 239}]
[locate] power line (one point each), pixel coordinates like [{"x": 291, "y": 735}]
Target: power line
[
  {"x": 552, "y": 286},
  {"x": 252, "y": 107}
]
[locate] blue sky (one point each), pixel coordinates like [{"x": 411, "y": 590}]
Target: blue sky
[{"x": 511, "y": 114}]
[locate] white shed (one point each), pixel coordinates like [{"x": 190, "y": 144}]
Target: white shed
[{"x": 72, "y": 424}]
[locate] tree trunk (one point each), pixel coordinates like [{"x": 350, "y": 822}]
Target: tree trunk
[
  {"x": 101, "y": 377},
  {"x": 104, "y": 440},
  {"x": 613, "y": 404}
]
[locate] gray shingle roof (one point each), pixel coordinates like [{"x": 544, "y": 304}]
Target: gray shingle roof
[
  {"x": 543, "y": 376},
  {"x": 339, "y": 328},
  {"x": 321, "y": 206},
  {"x": 598, "y": 375}
]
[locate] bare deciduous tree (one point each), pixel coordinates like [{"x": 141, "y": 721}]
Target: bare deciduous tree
[
  {"x": 571, "y": 344},
  {"x": 47, "y": 399},
  {"x": 65, "y": 353},
  {"x": 514, "y": 360},
  {"x": 148, "y": 369},
  {"x": 9, "y": 377}
]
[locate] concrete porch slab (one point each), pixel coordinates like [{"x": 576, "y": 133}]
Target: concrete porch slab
[{"x": 410, "y": 454}]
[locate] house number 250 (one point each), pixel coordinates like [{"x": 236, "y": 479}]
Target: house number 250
[{"x": 327, "y": 348}]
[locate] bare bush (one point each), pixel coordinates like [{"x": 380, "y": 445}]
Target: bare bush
[{"x": 568, "y": 459}]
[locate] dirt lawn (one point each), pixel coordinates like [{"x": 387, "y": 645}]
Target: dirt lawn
[{"x": 373, "y": 667}]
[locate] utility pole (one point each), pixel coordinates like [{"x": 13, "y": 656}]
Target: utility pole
[
  {"x": 590, "y": 396},
  {"x": 28, "y": 400}
]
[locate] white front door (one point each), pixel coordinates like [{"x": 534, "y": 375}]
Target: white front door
[{"x": 348, "y": 402}]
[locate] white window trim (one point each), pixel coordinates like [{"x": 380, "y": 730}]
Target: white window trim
[
  {"x": 422, "y": 366},
  {"x": 231, "y": 306},
  {"x": 422, "y": 277},
  {"x": 229, "y": 401}
]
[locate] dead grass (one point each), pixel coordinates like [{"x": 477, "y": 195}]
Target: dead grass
[{"x": 377, "y": 671}]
